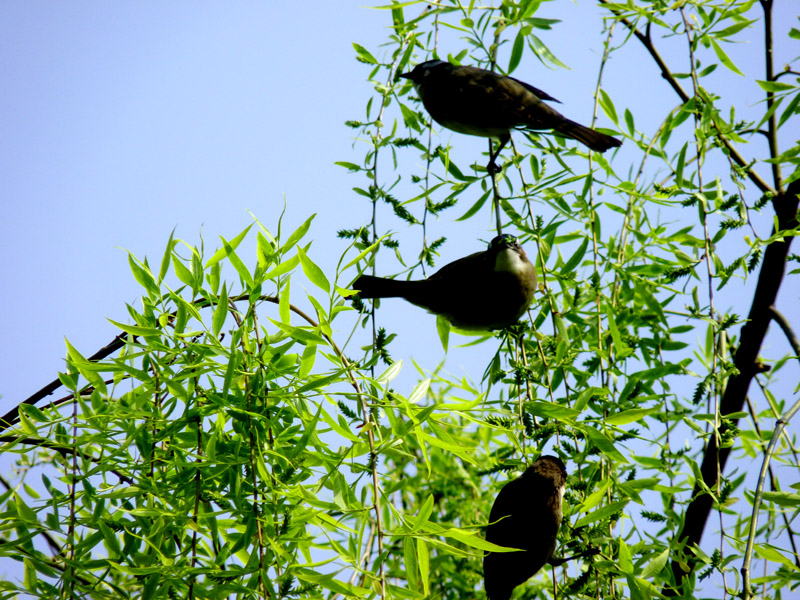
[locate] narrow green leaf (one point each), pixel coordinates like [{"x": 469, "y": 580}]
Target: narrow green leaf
[
  {"x": 605, "y": 445},
  {"x": 144, "y": 277},
  {"x": 283, "y": 268},
  {"x": 297, "y": 235},
  {"x": 655, "y": 566},
  {"x": 724, "y": 59},
  {"x": 543, "y": 52},
  {"x": 629, "y": 416},
  {"x": 608, "y": 106},
  {"x": 307, "y": 361},
  {"x": 237, "y": 264},
  {"x": 222, "y": 253},
  {"x": 786, "y": 499},
  {"x": 182, "y": 272},
  {"x": 443, "y": 329},
  {"x": 474, "y": 541},
  {"x": 390, "y": 373},
  {"x": 220, "y": 312},
  {"x": 284, "y": 308},
  {"x": 775, "y": 86},
  {"x": 162, "y": 272},
  {"x": 364, "y": 54},
  {"x": 411, "y": 562},
  {"x": 423, "y": 555},
  {"x": 624, "y": 558},
  {"x": 424, "y": 512},
  {"x": 516, "y": 50},
  {"x": 576, "y": 258},
  {"x": 313, "y": 272},
  {"x": 475, "y": 207},
  {"x": 601, "y": 513}
]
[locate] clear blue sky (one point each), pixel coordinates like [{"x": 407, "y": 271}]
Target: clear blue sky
[{"x": 122, "y": 121}]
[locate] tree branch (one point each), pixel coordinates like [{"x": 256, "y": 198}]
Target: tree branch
[
  {"x": 751, "y": 340},
  {"x": 647, "y": 42}
]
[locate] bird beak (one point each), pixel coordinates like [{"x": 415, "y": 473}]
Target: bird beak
[{"x": 405, "y": 75}]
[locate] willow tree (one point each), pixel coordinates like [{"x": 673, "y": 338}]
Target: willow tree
[{"x": 240, "y": 439}]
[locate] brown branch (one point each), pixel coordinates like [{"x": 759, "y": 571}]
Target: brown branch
[
  {"x": 777, "y": 180},
  {"x": 787, "y": 329},
  {"x": 647, "y": 42},
  {"x": 745, "y": 360}
]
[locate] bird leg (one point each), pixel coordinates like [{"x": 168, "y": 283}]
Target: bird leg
[{"x": 492, "y": 167}]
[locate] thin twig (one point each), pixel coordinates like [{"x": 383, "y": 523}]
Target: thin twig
[{"x": 748, "y": 553}]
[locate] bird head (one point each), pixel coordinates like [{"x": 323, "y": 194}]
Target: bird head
[
  {"x": 424, "y": 69},
  {"x": 551, "y": 468},
  {"x": 509, "y": 255}
]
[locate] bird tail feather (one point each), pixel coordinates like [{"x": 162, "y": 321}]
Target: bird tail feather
[
  {"x": 369, "y": 286},
  {"x": 599, "y": 142}
]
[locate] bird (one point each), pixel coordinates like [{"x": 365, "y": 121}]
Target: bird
[
  {"x": 483, "y": 291},
  {"x": 526, "y": 514},
  {"x": 478, "y": 102}
]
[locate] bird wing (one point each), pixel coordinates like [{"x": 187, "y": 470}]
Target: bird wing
[{"x": 542, "y": 94}]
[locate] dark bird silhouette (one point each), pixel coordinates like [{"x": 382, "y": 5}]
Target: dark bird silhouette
[
  {"x": 486, "y": 290},
  {"x": 479, "y": 102},
  {"x": 525, "y": 515}
]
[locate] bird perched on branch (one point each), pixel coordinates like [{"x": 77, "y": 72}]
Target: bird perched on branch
[
  {"x": 479, "y": 102},
  {"x": 486, "y": 290},
  {"x": 526, "y": 514}
]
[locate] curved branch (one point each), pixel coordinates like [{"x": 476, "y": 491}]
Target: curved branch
[
  {"x": 647, "y": 42},
  {"x": 787, "y": 329}
]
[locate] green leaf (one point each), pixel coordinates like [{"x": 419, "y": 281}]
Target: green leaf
[
  {"x": 220, "y": 312},
  {"x": 629, "y": 416},
  {"x": 786, "y": 499},
  {"x": 474, "y": 541},
  {"x": 424, "y": 512},
  {"x": 283, "y": 268},
  {"x": 183, "y": 273},
  {"x": 297, "y": 235},
  {"x": 313, "y": 272},
  {"x": 144, "y": 277},
  {"x": 162, "y": 272},
  {"x": 475, "y": 207},
  {"x": 516, "y": 50},
  {"x": 775, "y": 86},
  {"x": 601, "y": 513},
  {"x": 629, "y": 122},
  {"x": 411, "y": 561},
  {"x": 655, "y": 566},
  {"x": 222, "y": 252},
  {"x": 284, "y": 304},
  {"x": 724, "y": 58},
  {"x": 423, "y": 555},
  {"x": 237, "y": 263},
  {"x": 551, "y": 410},
  {"x": 390, "y": 373},
  {"x": 543, "y": 52},
  {"x": 443, "y": 329},
  {"x": 608, "y": 106},
  {"x": 624, "y": 558},
  {"x": 576, "y": 258},
  {"x": 364, "y": 54},
  {"x": 605, "y": 445}
]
